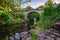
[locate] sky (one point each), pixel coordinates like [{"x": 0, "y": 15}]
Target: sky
[
  {"x": 57, "y": 1},
  {"x": 36, "y": 3}
]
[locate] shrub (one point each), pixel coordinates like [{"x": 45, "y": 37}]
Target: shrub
[
  {"x": 5, "y": 18},
  {"x": 48, "y": 17},
  {"x": 18, "y": 17}
]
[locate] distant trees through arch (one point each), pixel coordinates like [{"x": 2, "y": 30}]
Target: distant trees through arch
[{"x": 31, "y": 16}]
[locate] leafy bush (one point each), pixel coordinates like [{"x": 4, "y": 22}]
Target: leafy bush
[
  {"x": 18, "y": 17},
  {"x": 5, "y": 18},
  {"x": 48, "y": 17}
]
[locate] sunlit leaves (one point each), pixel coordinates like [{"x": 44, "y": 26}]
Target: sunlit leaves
[{"x": 12, "y": 4}]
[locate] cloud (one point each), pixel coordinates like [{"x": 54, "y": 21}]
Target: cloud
[
  {"x": 34, "y": 4},
  {"x": 57, "y": 1}
]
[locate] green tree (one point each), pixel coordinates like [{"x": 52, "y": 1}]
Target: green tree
[
  {"x": 58, "y": 8},
  {"x": 49, "y": 3},
  {"x": 49, "y": 15},
  {"x": 11, "y": 5},
  {"x": 40, "y": 7},
  {"x": 28, "y": 8}
]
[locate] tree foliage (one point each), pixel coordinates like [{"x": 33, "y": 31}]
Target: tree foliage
[
  {"x": 11, "y": 5},
  {"x": 58, "y": 8},
  {"x": 33, "y": 15},
  {"x": 5, "y": 18},
  {"x": 49, "y": 3},
  {"x": 49, "y": 16},
  {"x": 28, "y": 8},
  {"x": 41, "y": 7}
]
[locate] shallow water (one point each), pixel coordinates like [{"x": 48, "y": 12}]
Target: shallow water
[{"x": 17, "y": 36}]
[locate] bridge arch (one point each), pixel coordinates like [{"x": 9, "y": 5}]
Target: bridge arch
[
  {"x": 33, "y": 15},
  {"x": 27, "y": 12}
]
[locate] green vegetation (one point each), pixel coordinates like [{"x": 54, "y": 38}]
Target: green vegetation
[
  {"x": 28, "y": 8},
  {"x": 10, "y": 18},
  {"x": 11, "y": 5},
  {"x": 33, "y": 34},
  {"x": 49, "y": 16},
  {"x": 51, "y": 12},
  {"x": 5, "y": 18},
  {"x": 33, "y": 15}
]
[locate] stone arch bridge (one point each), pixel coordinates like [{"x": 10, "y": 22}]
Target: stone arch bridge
[{"x": 26, "y": 12}]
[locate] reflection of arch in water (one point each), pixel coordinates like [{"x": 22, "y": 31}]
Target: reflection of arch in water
[{"x": 37, "y": 17}]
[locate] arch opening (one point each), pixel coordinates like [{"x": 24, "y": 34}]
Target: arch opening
[{"x": 33, "y": 15}]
